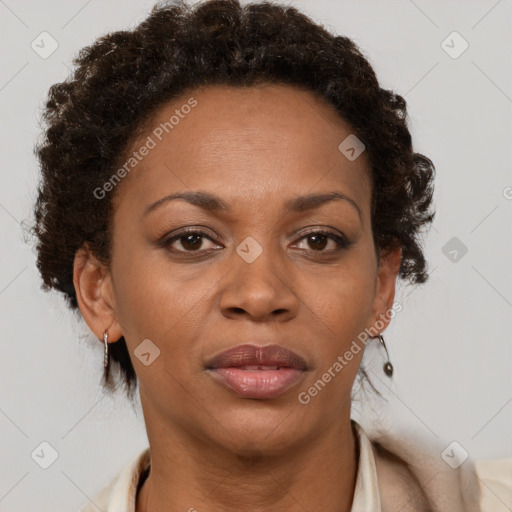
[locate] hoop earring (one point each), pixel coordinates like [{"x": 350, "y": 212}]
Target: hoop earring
[
  {"x": 388, "y": 367},
  {"x": 106, "y": 358}
]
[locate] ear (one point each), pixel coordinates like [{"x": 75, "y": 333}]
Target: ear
[
  {"x": 94, "y": 293},
  {"x": 388, "y": 269}
]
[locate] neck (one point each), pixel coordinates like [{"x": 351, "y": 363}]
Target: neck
[{"x": 192, "y": 475}]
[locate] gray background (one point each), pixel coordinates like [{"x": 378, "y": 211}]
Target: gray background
[{"x": 451, "y": 343}]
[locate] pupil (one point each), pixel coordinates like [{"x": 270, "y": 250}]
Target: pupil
[
  {"x": 315, "y": 244},
  {"x": 192, "y": 244}
]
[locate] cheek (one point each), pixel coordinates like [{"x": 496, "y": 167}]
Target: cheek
[
  {"x": 155, "y": 304},
  {"x": 343, "y": 295},
  {"x": 342, "y": 304},
  {"x": 155, "y": 300},
  {"x": 342, "y": 310}
]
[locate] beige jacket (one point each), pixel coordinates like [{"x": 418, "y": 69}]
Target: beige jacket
[{"x": 395, "y": 474}]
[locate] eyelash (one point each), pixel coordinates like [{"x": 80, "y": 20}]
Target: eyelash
[{"x": 342, "y": 242}]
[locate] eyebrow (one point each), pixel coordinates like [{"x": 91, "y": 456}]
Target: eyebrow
[{"x": 212, "y": 203}]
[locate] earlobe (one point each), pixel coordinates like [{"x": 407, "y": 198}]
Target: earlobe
[{"x": 93, "y": 288}]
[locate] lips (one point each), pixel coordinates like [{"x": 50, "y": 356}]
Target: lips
[
  {"x": 260, "y": 372},
  {"x": 272, "y": 356}
]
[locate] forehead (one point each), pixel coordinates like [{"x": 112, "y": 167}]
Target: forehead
[{"x": 245, "y": 144}]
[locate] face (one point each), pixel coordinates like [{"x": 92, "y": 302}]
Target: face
[{"x": 197, "y": 279}]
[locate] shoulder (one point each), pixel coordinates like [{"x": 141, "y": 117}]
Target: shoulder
[
  {"x": 495, "y": 476},
  {"x": 120, "y": 494},
  {"x": 397, "y": 483},
  {"x": 101, "y": 499},
  {"x": 411, "y": 469}
]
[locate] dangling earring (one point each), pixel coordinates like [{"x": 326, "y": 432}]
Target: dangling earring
[
  {"x": 106, "y": 358},
  {"x": 388, "y": 367}
]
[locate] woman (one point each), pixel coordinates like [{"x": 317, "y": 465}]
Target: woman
[{"x": 229, "y": 197}]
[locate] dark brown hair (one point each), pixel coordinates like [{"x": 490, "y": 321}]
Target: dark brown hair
[{"x": 120, "y": 80}]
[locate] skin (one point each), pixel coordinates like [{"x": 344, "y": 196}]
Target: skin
[{"x": 255, "y": 148}]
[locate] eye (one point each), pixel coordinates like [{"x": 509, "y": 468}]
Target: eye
[
  {"x": 193, "y": 240},
  {"x": 190, "y": 240},
  {"x": 319, "y": 239}
]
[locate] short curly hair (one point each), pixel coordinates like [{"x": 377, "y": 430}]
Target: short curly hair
[{"x": 121, "y": 80}]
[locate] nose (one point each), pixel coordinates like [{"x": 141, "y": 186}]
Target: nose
[{"x": 262, "y": 290}]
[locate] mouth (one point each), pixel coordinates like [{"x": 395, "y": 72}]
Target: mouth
[{"x": 258, "y": 372}]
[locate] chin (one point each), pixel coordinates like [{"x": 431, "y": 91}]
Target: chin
[{"x": 260, "y": 428}]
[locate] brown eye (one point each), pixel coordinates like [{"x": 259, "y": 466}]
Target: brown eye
[
  {"x": 191, "y": 242},
  {"x": 318, "y": 241},
  {"x": 188, "y": 241}
]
